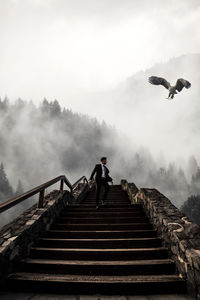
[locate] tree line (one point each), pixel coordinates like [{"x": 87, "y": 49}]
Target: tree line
[
  {"x": 39, "y": 143},
  {"x": 6, "y": 189}
]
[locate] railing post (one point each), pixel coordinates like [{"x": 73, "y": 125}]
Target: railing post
[
  {"x": 61, "y": 184},
  {"x": 41, "y": 199}
]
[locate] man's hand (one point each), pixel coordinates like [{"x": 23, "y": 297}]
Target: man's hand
[
  {"x": 112, "y": 182},
  {"x": 90, "y": 182}
]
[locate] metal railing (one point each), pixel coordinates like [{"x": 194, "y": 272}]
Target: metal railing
[{"x": 41, "y": 190}]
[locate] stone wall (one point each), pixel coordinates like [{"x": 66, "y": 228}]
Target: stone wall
[
  {"x": 17, "y": 237},
  {"x": 179, "y": 234},
  {"x": 80, "y": 192}
]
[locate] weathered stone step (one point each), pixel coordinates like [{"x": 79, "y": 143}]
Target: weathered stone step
[
  {"x": 101, "y": 234},
  {"x": 107, "y": 226},
  {"x": 106, "y": 203},
  {"x": 152, "y": 267},
  {"x": 100, "y": 243},
  {"x": 110, "y": 285},
  {"x": 101, "y": 220},
  {"x": 118, "y": 198},
  {"x": 107, "y": 208},
  {"x": 99, "y": 254},
  {"x": 111, "y": 195},
  {"x": 117, "y": 202},
  {"x": 82, "y": 206},
  {"x": 99, "y": 213},
  {"x": 102, "y": 208},
  {"x": 111, "y": 198}
]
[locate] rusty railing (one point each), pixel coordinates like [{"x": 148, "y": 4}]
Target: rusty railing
[{"x": 41, "y": 190}]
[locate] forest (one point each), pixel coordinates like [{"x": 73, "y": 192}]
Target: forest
[{"x": 39, "y": 143}]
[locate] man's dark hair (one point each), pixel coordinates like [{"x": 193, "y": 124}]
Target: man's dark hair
[{"x": 103, "y": 158}]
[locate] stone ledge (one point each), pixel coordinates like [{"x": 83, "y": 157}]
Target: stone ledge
[
  {"x": 179, "y": 234},
  {"x": 17, "y": 237}
]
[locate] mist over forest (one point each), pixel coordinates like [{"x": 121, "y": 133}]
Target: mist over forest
[
  {"x": 41, "y": 142},
  {"x": 142, "y": 112},
  {"x": 152, "y": 142}
]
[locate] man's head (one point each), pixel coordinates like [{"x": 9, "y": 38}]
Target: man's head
[{"x": 104, "y": 160}]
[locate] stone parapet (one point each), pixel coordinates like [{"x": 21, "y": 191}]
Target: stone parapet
[
  {"x": 179, "y": 234},
  {"x": 131, "y": 190},
  {"x": 17, "y": 237}
]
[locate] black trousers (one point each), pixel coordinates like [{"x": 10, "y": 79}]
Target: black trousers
[{"x": 99, "y": 184}]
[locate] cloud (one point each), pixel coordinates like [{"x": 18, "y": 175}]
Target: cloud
[
  {"x": 88, "y": 45},
  {"x": 81, "y": 52}
]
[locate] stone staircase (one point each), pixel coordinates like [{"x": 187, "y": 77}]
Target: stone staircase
[{"x": 113, "y": 250}]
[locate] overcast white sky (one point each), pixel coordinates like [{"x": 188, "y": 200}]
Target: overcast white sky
[
  {"x": 56, "y": 48},
  {"x": 70, "y": 49}
]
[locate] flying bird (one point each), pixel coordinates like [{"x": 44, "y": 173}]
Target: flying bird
[{"x": 180, "y": 84}]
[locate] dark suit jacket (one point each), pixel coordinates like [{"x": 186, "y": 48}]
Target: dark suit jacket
[{"x": 98, "y": 171}]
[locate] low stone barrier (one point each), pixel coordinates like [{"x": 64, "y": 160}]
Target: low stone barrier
[
  {"x": 130, "y": 188},
  {"x": 80, "y": 192},
  {"x": 179, "y": 234},
  {"x": 17, "y": 237}
]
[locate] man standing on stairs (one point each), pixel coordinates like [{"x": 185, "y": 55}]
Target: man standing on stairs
[{"x": 102, "y": 178}]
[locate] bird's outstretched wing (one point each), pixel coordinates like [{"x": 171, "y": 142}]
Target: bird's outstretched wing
[
  {"x": 181, "y": 83},
  {"x": 159, "y": 80}
]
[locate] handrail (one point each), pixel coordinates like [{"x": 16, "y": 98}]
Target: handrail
[
  {"x": 40, "y": 189},
  {"x": 80, "y": 179}
]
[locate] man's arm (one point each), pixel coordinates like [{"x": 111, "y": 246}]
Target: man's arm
[
  {"x": 93, "y": 172},
  {"x": 109, "y": 179}
]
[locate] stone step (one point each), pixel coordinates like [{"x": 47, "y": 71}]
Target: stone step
[
  {"x": 105, "y": 208},
  {"x": 101, "y": 234},
  {"x": 100, "y": 243},
  {"x": 117, "y": 197},
  {"x": 110, "y": 195},
  {"x": 101, "y": 220},
  {"x": 108, "y": 202},
  {"x": 99, "y": 213},
  {"x": 126, "y": 206},
  {"x": 99, "y": 254},
  {"x": 114, "y": 197},
  {"x": 102, "y": 208},
  {"x": 110, "y": 198},
  {"x": 107, "y": 226},
  {"x": 84, "y": 284},
  {"x": 88, "y": 267}
]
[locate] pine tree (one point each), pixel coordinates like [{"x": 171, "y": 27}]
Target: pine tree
[
  {"x": 5, "y": 188},
  {"x": 191, "y": 208},
  {"x": 19, "y": 189},
  {"x": 192, "y": 166},
  {"x": 4, "y": 105},
  {"x": 195, "y": 182},
  {"x": 55, "y": 108}
]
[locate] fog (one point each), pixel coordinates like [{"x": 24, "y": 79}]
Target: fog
[
  {"x": 80, "y": 51},
  {"x": 95, "y": 57}
]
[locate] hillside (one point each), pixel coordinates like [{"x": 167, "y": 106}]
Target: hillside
[
  {"x": 170, "y": 127},
  {"x": 157, "y": 145},
  {"x": 38, "y": 143}
]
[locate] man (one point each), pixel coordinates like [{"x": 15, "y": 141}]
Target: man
[{"x": 102, "y": 178}]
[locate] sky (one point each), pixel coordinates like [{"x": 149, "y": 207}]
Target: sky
[
  {"x": 73, "y": 50},
  {"x": 58, "y": 48}
]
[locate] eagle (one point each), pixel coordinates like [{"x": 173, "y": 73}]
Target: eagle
[{"x": 180, "y": 84}]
